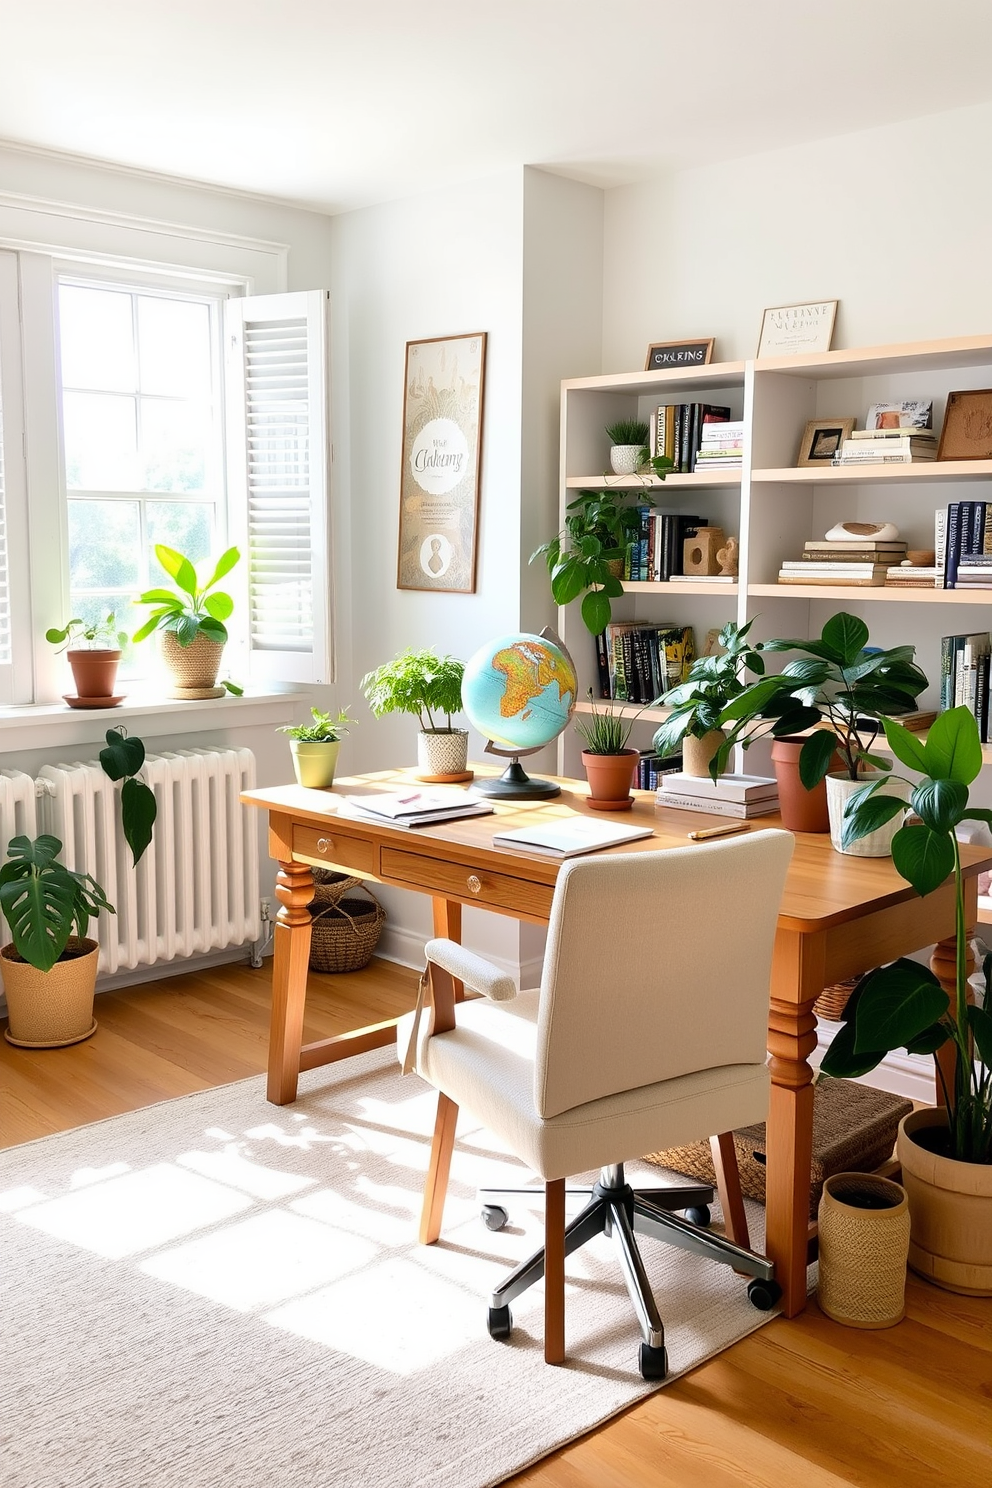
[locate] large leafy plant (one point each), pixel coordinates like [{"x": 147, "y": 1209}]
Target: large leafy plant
[
  {"x": 903, "y": 1005},
  {"x": 423, "y": 683},
  {"x": 192, "y": 608},
  {"x": 44, "y": 902},
  {"x": 839, "y": 687},
  {"x": 698, "y": 703},
  {"x": 582, "y": 558}
]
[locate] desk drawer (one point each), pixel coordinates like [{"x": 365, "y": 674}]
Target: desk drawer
[
  {"x": 472, "y": 885},
  {"x": 320, "y": 845}
]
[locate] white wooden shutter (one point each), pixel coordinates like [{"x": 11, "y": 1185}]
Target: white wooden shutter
[
  {"x": 15, "y": 624},
  {"x": 278, "y": 481}
]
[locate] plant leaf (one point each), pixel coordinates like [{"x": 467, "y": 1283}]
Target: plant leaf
[
  {"x": 953, "y": 748},
  {"x": 906, "y": 746},
  {"x": 815, "y": 757},
  {"x": 847, "y": 637},
  {"x": 186, "y": 628},
  {"x": 220, "y": 606},
  {"x": 896, "y": 1005},
  {"x": 122, "y": 757},
  {"x": 224, "y": 564},
  {"x": 843, "y": 1062},
  {"x": 939, "y": 803},
  {"x": 138, "y": 812},
  {"x": 177, "y": 567},
  {"x": 924, "y": 858},
  {"x": 930, "y": 1040},
  {"x": 596, "y": 611},
  {"x": 980, "y": 1023},
  {"x": 864, "y": 813}
]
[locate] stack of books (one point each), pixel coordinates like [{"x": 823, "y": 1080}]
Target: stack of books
[
  {"x": 964, "y": 676},
  {"x": 417, "y": 808},
  {"x": 722, "y": 446},
  {"x": 741, "y": 796},
  {"x": 676, "y": 431},
  {"x": 637, "y": 663},
  {"x": 651, "y": 767},
  {"x": 963, "y": 540},
  {"x": 974, "y": 571},
  {"x": 863, "y": 562},
  {"x": 886, "y": 447},
  {"x": 913, "y": 576},
  {"x": 656, "y": 555}
]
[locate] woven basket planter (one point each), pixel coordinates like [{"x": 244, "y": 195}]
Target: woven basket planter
[
  {"x": 344, "y": 931},
  {"x": 50, "y": 1009},
  {"x": 193, "y": 668},
  {"x": 864, "y": 1244}
]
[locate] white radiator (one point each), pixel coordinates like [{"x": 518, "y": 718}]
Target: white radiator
[
  {"x": 18, "y": 817},
  {"x": 196, "y": 887}
]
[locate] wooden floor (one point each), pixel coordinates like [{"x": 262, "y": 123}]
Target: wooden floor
[{"x": 804, "y": 1402}]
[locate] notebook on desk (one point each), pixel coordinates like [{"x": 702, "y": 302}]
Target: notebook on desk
[{"x": 565, "y": 839}]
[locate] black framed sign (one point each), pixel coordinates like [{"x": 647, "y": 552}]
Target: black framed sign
[{"x": 664, "y": 355}]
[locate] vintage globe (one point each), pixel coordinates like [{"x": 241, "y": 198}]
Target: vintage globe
[{"x": 519, "y": 691}]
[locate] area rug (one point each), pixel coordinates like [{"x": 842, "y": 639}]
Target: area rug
[{"x": 216, "y": 1292}]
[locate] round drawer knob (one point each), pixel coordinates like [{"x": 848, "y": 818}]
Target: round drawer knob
[
  {"x": 324, "y": 844},
  {"x": 474, "y": 884}
]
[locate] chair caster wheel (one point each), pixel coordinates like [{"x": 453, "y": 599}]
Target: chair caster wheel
[
  {"x": 494, "y": 1216},
  {"x": 500, "y": 1322},
  {"x": 653, "y": 1362},
  {"x": 699, "y": 1215},
  {"x": 763, "y": 1294}
]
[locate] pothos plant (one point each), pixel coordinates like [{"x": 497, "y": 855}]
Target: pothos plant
[
  {"x": 903, "y": 1005},
  {"x": 583, "y": 557}
]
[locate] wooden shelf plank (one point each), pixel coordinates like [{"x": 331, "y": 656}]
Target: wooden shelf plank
[
  {"x": 624, "y": 710},
  {"x": 922, "y": 470},
  {"x": 677, "y": 586},
  {"x": 892, "y": 595},
  {"x": 607, "y": 481},
  {"x": 712, "y": 375}
]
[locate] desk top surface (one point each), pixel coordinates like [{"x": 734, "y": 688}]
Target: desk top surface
[{"x": 823, "y": 887}]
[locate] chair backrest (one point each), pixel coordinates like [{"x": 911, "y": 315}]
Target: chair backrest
[{"x": 657, "y": 965}]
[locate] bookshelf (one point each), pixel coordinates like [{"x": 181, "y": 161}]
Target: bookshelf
[{"x": 773, "y": 507}]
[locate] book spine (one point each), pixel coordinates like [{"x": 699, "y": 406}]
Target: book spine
[
  {"x": 695, "y": 427},
  {"x": 677, "y": 436},
  {"x": 627, "y": 649},
  {"x": 642, "y": 556},
  {"x": 982, "y": 696},
  {"x": 946, "y": 672},
  {"x": 976, "y": 527},
  {"x": 952, "y": 550},
  {"x": 603, "y": 665},
  {"x": 940, "y": 541}
]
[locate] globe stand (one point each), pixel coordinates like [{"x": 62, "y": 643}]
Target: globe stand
[{"x": 516, "y": 785}]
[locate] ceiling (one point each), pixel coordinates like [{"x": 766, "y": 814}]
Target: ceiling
[{"x": 340, "y": 103}]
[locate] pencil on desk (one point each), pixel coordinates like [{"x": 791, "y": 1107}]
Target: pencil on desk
[{"x": 723, "y": 831}]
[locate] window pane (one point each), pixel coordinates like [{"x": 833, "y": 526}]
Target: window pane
[
  {"x": 100, "y": 442},
  {"x": 186, "y": 526},
  {"x": 173, "y": 446},
  {"x": 96, "y": 339},
  {"x": 174, "y": 347},
  {"x": 104, "y": 547}
]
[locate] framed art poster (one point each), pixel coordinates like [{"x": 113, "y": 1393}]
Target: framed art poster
[
  {"x": 442, "y": 450},
  {"x": 788, "y": 329}
]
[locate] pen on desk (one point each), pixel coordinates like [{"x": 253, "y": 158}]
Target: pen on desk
[{"x": 724, "y": 831}]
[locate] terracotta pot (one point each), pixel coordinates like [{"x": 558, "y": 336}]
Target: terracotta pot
[
  {"x": 802, "y": 810},
  {"x": 314, "y": 761},
  {"x": 610, "y": 777},
  {"x": 49, "y": 1009},
  {"x": 697, "y": 753},
  {"x": 950, "y": 1206},
  {"x": 877, "y": 844},
  {"x": 863, "y": 1224},
  {"x": 194, "y": 668},
  {"x": 94, "y": 672}
]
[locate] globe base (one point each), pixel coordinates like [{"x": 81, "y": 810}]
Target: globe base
[{"x": 516, "y": 785}]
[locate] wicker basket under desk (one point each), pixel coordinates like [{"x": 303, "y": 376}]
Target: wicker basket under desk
[{"x": 345, "y": 930}]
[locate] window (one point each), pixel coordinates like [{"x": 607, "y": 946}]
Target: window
[
  {"x": 138, "y": 409},
  {"x": 142, "y": 438}
]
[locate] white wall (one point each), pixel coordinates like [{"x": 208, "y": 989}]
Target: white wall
[{"x": 906, "y": 252}]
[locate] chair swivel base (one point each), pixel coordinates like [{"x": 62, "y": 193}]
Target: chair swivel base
[{"x": 615, "y": 1209}]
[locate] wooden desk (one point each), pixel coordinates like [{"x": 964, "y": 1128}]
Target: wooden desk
[{"x": 839, "y": 916}]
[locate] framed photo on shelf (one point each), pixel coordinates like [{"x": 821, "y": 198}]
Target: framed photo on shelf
[
  {"x": 822, "y": 439},
  {"x": 789, "y": 329},
  {"x": 915, "y": 413},
  {"x": 442, "y": 454},
  {"x": 663, "y": 355},
  {"x": 967, "y": 431}
]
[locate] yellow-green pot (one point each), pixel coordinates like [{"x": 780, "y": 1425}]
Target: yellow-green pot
[{"x": 314, "y": 761}]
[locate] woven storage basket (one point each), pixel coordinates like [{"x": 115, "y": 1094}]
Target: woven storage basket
[
  {"x": 864, "y": 1243},
  {"x": 344, "y": 931},
  {"x": 854, "y": 1130},
  {"x": 833, "y": 1000}
]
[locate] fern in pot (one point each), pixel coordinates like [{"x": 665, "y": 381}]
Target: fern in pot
[
  {"x": 945, "y": 1152},
  {"x": 427, "y": 685}
]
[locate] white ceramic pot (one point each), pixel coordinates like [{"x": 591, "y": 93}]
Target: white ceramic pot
[
  {"x": 877, "y": 844},
  {"x": 626, "y": 458},
  {"x": 442, "y": 751}
]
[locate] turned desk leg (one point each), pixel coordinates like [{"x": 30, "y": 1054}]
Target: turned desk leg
[
  {"x": 797, "y": 980},
  {"x": 448, "y": 926},
  {"x": 294, "y": 890}
]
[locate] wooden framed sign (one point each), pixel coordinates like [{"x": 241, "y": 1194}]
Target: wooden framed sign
[
  {"x": 967, "y": 431},
  {"x": 442, "y": 454},
  {"x": 664, "y": 355},
  {"x": 789, "y": 329}
]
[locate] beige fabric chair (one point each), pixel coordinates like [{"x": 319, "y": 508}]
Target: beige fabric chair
[{"x": 648, "y": 1031}]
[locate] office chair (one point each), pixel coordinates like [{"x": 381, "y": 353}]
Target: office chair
[{"x": 648, "y": 1031}]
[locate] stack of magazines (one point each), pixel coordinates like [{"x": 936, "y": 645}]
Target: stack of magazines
[
  {"x": 731, "y": 795},
  {"x": 417, "y": 808}
]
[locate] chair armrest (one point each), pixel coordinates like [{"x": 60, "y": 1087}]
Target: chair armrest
[{"x": 476, "y": 973}]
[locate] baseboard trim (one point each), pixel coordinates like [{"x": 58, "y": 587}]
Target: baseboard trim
[{"x": 908, "y": 1075}]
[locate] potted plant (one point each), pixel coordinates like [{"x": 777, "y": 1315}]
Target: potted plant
[
  {"x": 946, "y": 1152},
  {"x": 429, "y": 686},
  {"x": 609, "y": 762},
  {"x": 191, "y": 620},
  {"x": 93, "y": 651},
  {"x": 588, "y": 553},
  {"x": 698, "y": 703},
  {"x": 314, "y": 747},
  {"x": 628, "y": 445},
  {"x": 49, "y": 970},
  {"x": 829, "y": 702}
]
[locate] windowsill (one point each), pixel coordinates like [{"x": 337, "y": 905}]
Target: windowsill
[{"x": 37, "y": 725}]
